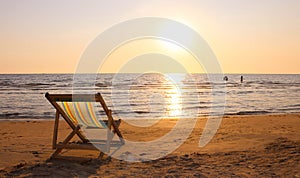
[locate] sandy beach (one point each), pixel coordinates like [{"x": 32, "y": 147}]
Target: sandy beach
[{"x": 244, "y": 146}]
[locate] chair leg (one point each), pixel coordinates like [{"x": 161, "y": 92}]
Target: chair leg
[
  {"x": 100, "y": 157},
  {"x": 110, "y": 136},
  {"x": 56, "y": 122},
  {"x": 117, "y": 131},
  {"x": 69, "y": 137}
]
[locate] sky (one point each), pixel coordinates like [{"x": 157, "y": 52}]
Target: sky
[{"x": 50, "y": 36}]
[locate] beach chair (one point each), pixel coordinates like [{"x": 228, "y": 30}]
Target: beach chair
[{"x": 81, "y": 112}]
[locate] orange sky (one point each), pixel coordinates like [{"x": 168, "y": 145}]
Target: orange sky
[{"x": 247, "y": 37}]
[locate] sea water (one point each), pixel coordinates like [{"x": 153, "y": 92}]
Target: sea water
[{"x": 153, "y": 95}]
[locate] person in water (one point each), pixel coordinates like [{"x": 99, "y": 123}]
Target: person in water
[
  {"x": 242, "y": 79},
  {"x": 225, "y": 78}
]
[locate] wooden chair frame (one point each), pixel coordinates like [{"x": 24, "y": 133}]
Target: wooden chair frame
[{"x": 112, "y": 125}]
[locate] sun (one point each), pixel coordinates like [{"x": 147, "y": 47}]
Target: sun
[{"x": 169, "y": 47}]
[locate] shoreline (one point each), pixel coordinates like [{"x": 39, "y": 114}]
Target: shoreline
[
  {"x": 252, "y": 145},
  {"x": 145, "y": 118}
]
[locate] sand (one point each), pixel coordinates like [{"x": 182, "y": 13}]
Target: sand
[{"x": 244, "y": 146}]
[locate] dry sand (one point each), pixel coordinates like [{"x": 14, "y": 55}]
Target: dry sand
[{"x": 244, "y": 146}]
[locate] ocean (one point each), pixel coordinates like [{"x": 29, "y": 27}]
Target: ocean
[{"x": 153, "y": 95}]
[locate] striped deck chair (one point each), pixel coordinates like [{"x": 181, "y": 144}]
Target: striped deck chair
[{"x": 81, "y": 112}]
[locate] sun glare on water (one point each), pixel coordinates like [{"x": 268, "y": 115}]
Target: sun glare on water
[{"x": 173, "y": 100}]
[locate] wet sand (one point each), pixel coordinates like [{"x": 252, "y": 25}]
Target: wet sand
[{"x": 244, "y": 146}]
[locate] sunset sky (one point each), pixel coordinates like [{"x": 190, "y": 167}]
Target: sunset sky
[{"x": 49, "y": 36}]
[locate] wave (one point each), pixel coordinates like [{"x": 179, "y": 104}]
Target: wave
[
  {"x": 141, "y": 112},
  {"x": 289, "y": 109},
  {"x": 26, "y": 85},
  {"x": 38, "y": 84},
  {"x": 249, "y": 113},
  {"x": 294, "y": 105},
  {"x": 102, "y": 85}
]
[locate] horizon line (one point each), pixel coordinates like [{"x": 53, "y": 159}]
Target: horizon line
[{"x": 149, "y": 72}]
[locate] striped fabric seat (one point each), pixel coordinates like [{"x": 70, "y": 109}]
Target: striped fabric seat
[{"x": 82, "y": 113}]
